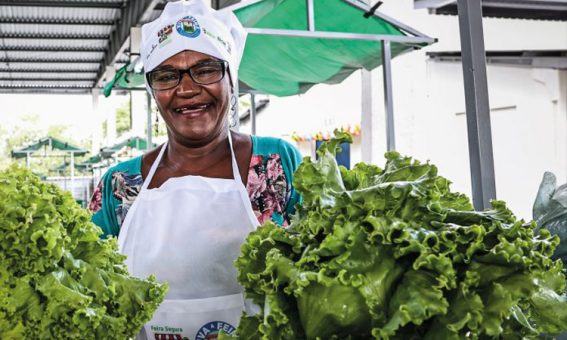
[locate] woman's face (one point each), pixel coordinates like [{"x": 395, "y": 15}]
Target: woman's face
[{"x": 194, "y": 114}]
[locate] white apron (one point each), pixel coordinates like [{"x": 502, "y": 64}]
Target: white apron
[{"x": 188, "y": 232}]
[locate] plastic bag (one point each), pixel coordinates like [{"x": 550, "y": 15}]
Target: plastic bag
[{"x": 550, "y": 211}]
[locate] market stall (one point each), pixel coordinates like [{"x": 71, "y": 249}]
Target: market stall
[{"x": 50, "y": 144}]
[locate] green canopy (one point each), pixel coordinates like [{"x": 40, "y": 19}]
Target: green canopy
[
  {"x": 125, "y": 78},
  {"x": 93, "y": 160},
  {"x": 282, "y": 57},
  {"x": 48, "y": 142},
  {"x": 82, "y": 166},
  {"x": 288, "y": 65},
  {"x": 134, "y": 142}
]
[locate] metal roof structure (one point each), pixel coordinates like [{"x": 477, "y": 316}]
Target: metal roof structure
[
  {"x": 65, "y": 46},
  {"x": 552, "y": 59},
  {"x": 517, "y": 9}
]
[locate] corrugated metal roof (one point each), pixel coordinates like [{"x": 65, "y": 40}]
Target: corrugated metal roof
[
  {"x": 28, "y": 44},
  {"x": 56, "y": 15},
  {"x": 45, "y": 83},
  {"x": 514, "y": 9},
  {"x": 85, "y": 76},
  {"x": 60, "y": 67},
  {"x": 50, "y": 56},
  {"x": 64, "y": 46},
  {"x": 42, "y": 31}
]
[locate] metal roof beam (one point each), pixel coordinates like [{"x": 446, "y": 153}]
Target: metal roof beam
[
  {"x": 531, "y": 59},
  {"x": 134, "y": 13},
  {"x": 48, "y": 61},
  {"x": 49, "y": 36},
  {"x": 81, "y": 4},
  {"x": 16, "y": 87},
  {"x": 527, "y": 4},
  {"x": 46, "y": 79},
  {"x": 52, "y": 48},
  {"x": 48, "y": 91},
  {"x": 60, "y": 71},
  {"x": 419, "y": 4},
  {"x": 57, "y": 21},
  {"x": 551, "y": 5}
]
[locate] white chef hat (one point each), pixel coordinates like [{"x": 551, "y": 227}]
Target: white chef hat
[{"x": 193, "y": 25}]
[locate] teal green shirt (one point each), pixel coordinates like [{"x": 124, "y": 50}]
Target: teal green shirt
[{"x": 269, "y": 186}]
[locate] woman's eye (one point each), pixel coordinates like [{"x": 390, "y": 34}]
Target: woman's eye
[
  {"x": 206, "y": 71},
  {"x": 165, "y": 76}
]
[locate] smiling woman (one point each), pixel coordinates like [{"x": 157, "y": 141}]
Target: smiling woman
[
  {"x": 182, "y": 211},
  {"x": 192, "y": 95}
]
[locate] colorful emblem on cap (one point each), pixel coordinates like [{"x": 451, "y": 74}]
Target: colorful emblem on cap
[
  {"x": 188, "y": 27},
  {"x": 212, "y": 330},
  {"x": 164, "y": 35}
]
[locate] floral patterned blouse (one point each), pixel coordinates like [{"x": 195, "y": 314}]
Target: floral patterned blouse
[{"x": 269, "y": 186}]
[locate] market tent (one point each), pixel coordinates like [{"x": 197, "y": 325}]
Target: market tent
[
  {"x": 134, "y": 142},
  {"x": 287, "y": 53},
  {"x": 290, "y": 61},
  {"x": 91, "y": 161},
  {"x": 51, "y": 143},
  {"x": 62, "y": 167},
  {"x": 137, "y": 143}
]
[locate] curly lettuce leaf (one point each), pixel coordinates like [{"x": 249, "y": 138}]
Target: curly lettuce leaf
[{"x": 58, "y": 280}]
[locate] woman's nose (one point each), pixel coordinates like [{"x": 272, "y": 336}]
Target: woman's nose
[{"x": 187, "y": 86}]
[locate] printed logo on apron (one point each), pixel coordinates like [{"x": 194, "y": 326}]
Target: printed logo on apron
[{"x": 213, "y": 329}]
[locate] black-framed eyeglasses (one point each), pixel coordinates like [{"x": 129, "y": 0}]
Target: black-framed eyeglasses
[{"x": 204, "y": 73}]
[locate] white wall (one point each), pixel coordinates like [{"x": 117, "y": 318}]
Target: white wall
[{"x": 529, "y": 106}]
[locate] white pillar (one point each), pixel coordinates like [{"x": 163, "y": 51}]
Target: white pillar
[
  {"x": 372, "y": 135},
  {"x": 562, "y": 110},
  {"x": 98, "y": 116},
  {"x": 73, "y": 174},
  {"x": 110, "y": 126},
  {"x": 139, "y": 112}
]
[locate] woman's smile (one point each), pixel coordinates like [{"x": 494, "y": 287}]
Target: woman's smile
[{"x": 193, "y": 111}]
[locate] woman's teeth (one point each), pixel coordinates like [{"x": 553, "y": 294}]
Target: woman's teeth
[{"x": 191, "y": 109}]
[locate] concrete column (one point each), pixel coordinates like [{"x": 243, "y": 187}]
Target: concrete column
[
  {"x": 139, "y": 112},
  {"x": 562, "y": 110},
  {"x": 110, "y": 126},
  {"x": 97, "y": 137},
  {"x": 372, "y": 136}
]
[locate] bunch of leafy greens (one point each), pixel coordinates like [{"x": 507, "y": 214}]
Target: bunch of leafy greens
[
  {"x": 393, "y": 254},
  {"x": 58, "y": 280}
]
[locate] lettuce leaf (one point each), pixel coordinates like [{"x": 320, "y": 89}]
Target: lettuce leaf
[
  {"x": 58, "y": 279},
  {"x": 392, "y": 253}
]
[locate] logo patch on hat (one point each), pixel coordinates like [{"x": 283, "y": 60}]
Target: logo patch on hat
[
  {"x": 164, "y": 35},
  {"x": 188, "y": 27}
]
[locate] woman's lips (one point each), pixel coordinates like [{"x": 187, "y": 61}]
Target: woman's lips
[{"x": 193, "y": 111}]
